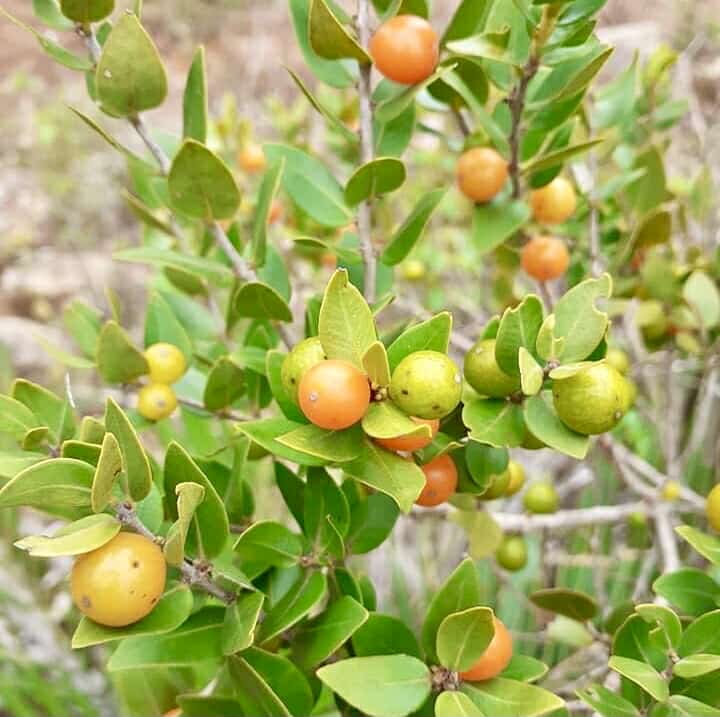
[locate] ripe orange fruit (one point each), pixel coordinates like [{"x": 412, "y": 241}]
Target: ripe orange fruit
[
  {"x": 553, "y": 203},
  {"x": 251, "y": 158},
  {"x": 166, "y": 363},
  {"x": 411, "y": 443},
  {"x": 405, "y": 49},
  {"x": 334, "y": 394},
  {"x": 495, "y": 659},
  {"x": 276, "y": 211},
  {"x": 156, "y": 401},
  {"x": 545, "y": 258},
  {"x": 440, "y": 481},
  {"x": 121, "y": 582},
  {"x": 173, "y": 713},
  {"x": 481, "y": 173}
]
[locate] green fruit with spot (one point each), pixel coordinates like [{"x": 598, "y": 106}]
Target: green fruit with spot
[
  {"x": 483, "y": 373},
  {"x": 593, "y": 400},
  {"x": 498, "y": 486},
  {"x": 541, "y": 497},
  {"x": 512, "y": 553},
  {"x": 426, "y": 384},
  {"x": 298, "y": 362},
  {"x": 619, "y": 360}
]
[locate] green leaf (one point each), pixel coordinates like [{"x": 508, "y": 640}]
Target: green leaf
[
  {"x": 641, "y": 674},
  {"x": 385, "y": 635},
  {"x": 379, "y": 176},
  {"x": 189, "y": 497},
  {"x": 256, "y": 300},
  {"x": 464, "y": 636},
  {"x": 271, "y": 543},
  {"x": 496, "y": 422},
  {"x": 562, "y": 601},
  {"x": 531, "y": 373},
  {"x": 483, "y": 533},
  {"x": 212, "y": 526},
  {"x": 389, "y": 473},
  {"x": 703, "y": 296},
  {"x": 701, "y": 635},
  {"x": 171, "y": 611},
  {"x": 16, "y": 418},
  {"x": 13, "y": 462},
  {"x": 466, "y": 20},
  {"x": 558, "y": 157},
  {"x": 87, "y": 11},
  {"x": 578, "y": 321},
  {"x": 430, "y": 335},
  {"x": 241, "y": 619},
  {"x": 108, "y": 470},
  {"x": 331, "y": 446},
  {"x": 48, "y": 11},
  {"x": 690, "y": 590},
  {"x": 80, "y": 537},
  {"x": 456, "y": 704},
  {"x": 525, "y": 669},
  {"x": 606, "y": 702},
  {"x": 254, "y": 693},
  {"x": 195, "y": 103},
  {"x": 214, "y": 272},
  {"x": 548, "y": 346},
  {"x": 51, "y": 410},
  {"x": 665, "y": 618},
  {"x": 326, "y": 514},
  {"x": 325, "y": 634},
  {"x": 200, "y": 184},
  {"x": 696, "y": 666},
  {"x": 130, "y": 77},
  {"x": 506, "y": 698},
  {"x": 519, "y": 327},
  {"x": 268, "y": 189},
  {"x": 162, "y": 325},
  {"x": 118, "y": 359},
  {"x": 372, "y": 520},
  {"x": 381, "y": 685},
  {"x": 385, "y": 420},
  {"x": 649, "y": 190},
  {"x": 404, "y": 239},
  {"x": 375, "y": 363},
  {"x": 311, "y": 185},
  {"x": 53, "y": 50},
  {"x": 59, "y": 486},
  {"x": 273, "y": 362},
  {"x": 707, "y": 545},
  {"x": 135, "y": 460},
  {"x": 688, "y": 707},
  {"x": 495, "y": 222},
  {"x": 543, "y": 423},
  {"x": 152, "y": 220},
  {"x": 196, "y": 640},
  {"x": 330, "y": 39},
  {"x": 265, "y": 433},
  {"x": 300, "y": 600},
  {"x": 346, "y": 326},
  {"x": 461, "y": 591},
  {"x": 225, "y": 384}
]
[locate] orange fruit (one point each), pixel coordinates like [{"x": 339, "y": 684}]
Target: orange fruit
[
  {"x": 545, "y": 258},
  {"x": 481, "y": 173},
  {"x": 440, "y": 481}
]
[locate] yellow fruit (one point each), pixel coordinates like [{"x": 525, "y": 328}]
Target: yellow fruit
[
  {"x": 156, "y": 401},
  {"x": 517, "y": 478},
  {"x": 481, "y": 173},
  {"x": 619, "y": 360},
  {"x": 712, "y": 508},
  {"x": 541, "y": 497},
  {"x": 413, "y": 270},
  {"x": 671, "y": 491},
  {"x": 553, "y": 203},
  {"x": 121, "y": 582},
  {"x": 166, "y": 363},
  {"x": 498, "y": 486}
]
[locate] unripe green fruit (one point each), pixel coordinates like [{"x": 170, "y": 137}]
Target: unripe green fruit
[
  {"x": 512, "y": 553},
  {"x": 426, "y": 384},
  {"x": 593, "y": 400},
  {"x": 630, "y": 394},
  {"x": 517, "y": 478},
  {"x": 671, "y": 491},
  {"x": 298, "y": 362},
  {"x": 483, "y": 373},
  {"x": 712, "y": 508},
  {"x": 619, "y": 360},
  {"x": 498, "y": 486},
  {"x": 541, "y": 497},
  {"x": 652, "y": 319}
]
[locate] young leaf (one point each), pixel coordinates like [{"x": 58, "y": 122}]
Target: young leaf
[
  {"x": 375, "y": 363},
  {"x": 325, "y": 634},
  {"x": 330, "y": 39},
  {"x": 496, "y": 422},
  {"x": 464, "y": 636},
  {"x": 346, "y": 326},
  {"x": 195, "y": 112},
  {"x": 80, "y": 537},
  {"x": 189, "y": 497},
  {"x": 379, "y": 176},
  {"x": 409, "y": 233},
  {"x": 170, "y": 613},
  {"x": 118, "y": 360},
  {"x": 641, "y": 674},
  {"x": 531, "y": 373},
  {"x": 519, "y": 327},
  {"x": 385, "y": 420},
  {"x": 241, "y": 618},
  {"x": 430, "y": 335},
  {"x": 331, "y": 446},
  {"x": 381, "y": 685},
  {"x": 130, "y": 77},
  {"x": 387, "y": 472},
  {"x": 543, "y": 423},
  {"x": 268, "y": 189},
  {"x": 135, "y": 460},
  {"x": 563, "y": 601},
  {"x": 109, "y": 468},
  {"x": 271, "y": 543},
  {"x": 200, "y": 184}
]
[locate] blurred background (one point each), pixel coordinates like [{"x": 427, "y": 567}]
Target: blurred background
[{"x": 61, "y": 217}]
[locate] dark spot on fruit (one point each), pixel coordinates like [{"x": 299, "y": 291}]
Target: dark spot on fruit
[
  {"x": 292, "y": 380},
  {"x": 135, "y": 564},
  {"x": 405, "y": 392},
  {"x": 436, "y": 407},
  {"x": 154, "y": 600},
  {"x": 86, "y": 602}
]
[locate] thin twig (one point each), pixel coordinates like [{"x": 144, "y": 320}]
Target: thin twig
[
  {"x": 365, "y": 133},
  {"x": 566, "y": 519},
  {"x": 667, "y": 540},
  {"x": 154, "y": 148},
  {"x": 461, "y": 121}
]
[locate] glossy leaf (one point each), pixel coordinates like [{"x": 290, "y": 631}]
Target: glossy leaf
[
  {"x": 332, "y": 446},
  {"x": 543, "y": 423},
  {"x": 189, "y": 497},
  {"x": 225, "y": 384},
  {"x": 375, "y": 363},
  {"x": 606, "y": 702},
  {"x": 464, "y": 636},
  {"x": 430, "y": 335},
  {"x": 385, "y": 420},
  {"x": 271, "y": 543},
  {"x": 265, "y": 433},
  {"x": 385, "y": 635},
  {"x": 519, "y": 327},
  {"x": 379, "y": 176},
  {"x": 508, "y": 698},
  {"x": 563, "y": 601},
  {"x": 80, "y": 537},
  {"x": 495, "y": 222},
  {"x": 241, "y": 619},
  {"x": 690, "y": 590},
  {"x": 256, "y": 300},
  {"x": 456, "y": 704},
  {"x": 641, "y": 674}
]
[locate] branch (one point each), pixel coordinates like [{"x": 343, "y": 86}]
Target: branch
[
  {"x": 666, "y": 539},
  {"x": 365, "y": 132},
  {"x": 195, "y": 573},
  {"x": 155, "y": 149}
]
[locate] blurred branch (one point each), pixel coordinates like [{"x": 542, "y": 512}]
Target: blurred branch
[
  {"x": 564, "y": 519},
  {"x": 667, "y": 540}
]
